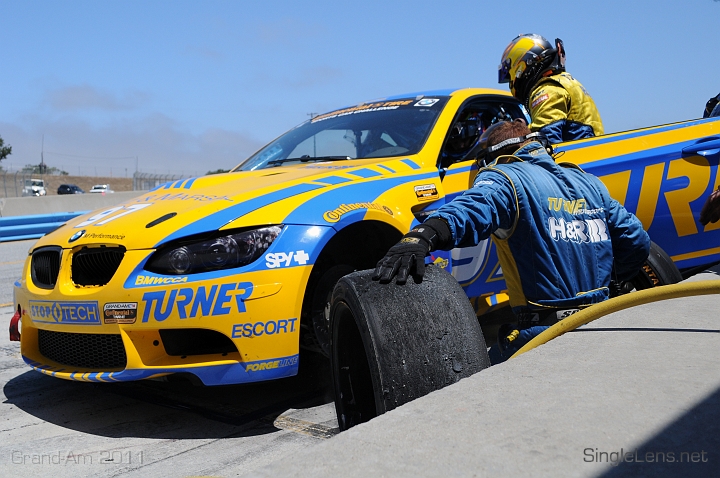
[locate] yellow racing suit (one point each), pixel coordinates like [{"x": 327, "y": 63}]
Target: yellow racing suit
[{"x": 562, "y": 109}]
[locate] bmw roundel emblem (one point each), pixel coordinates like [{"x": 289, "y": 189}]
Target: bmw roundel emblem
[{"x": 77, "y": 236}]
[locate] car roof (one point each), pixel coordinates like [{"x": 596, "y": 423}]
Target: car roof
[
  {"x": 450, "y": 92},
  {"x": 442, "y": 92}
]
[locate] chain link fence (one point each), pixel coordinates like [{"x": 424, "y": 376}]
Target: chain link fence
[
  {"x": 145, "y": 181},
  {"x": 18, "y": 183}
]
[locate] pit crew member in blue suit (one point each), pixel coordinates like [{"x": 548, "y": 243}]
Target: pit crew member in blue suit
[
  {"x": 560, "y": 107},
  {"x": 560, "y": 237}
]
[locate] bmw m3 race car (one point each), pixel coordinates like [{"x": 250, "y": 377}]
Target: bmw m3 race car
[{"x": 226, "y": 276}]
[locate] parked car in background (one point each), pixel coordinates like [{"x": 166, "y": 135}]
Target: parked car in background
[
  {"x": 69, "y": 189},
  {"x": 101, "y": 188},
  {"x": 34, "y": 187}
]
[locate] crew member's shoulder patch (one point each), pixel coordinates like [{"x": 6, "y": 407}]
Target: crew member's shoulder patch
[{"x": 539, "y": 99}]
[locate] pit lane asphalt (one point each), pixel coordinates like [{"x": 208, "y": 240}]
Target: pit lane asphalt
[
  {"x": 635, "y": 393},
  {"x": 643, "y": 381},
  {"x": 51, "y": 427}
]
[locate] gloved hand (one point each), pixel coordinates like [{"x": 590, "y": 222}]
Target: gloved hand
[
  {"x": 408, "y": 255},
  {"x": 711, "y": 209},
  {"x": 402, "y": 258}
]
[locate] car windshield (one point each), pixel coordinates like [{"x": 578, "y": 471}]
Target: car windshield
[{"x": 369, "y": 130}]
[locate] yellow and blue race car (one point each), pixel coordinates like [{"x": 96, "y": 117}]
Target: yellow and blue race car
[{"x": 227, "y": 276}]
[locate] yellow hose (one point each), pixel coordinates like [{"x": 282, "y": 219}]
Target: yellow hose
[{"x": 674, "y": 291}]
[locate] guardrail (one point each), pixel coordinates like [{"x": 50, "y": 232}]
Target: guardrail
[
  {"x": 18, "y": 228},
  {"x": 32, "y": 217}
]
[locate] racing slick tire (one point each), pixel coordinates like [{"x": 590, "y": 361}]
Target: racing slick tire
[
  {"x": 320, "y": 311},
  {"x": 394, "y": 343},
  {"x": 657, "y": 270}
]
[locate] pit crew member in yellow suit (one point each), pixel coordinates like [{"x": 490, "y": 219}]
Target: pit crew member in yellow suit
[{"x": 559, "y": 106}]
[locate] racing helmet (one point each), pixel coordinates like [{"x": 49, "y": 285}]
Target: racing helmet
[
  {"x": 504, "y": 137},
  {"x": 464, "y": 135},
  {"x": 526, "y": 59}
]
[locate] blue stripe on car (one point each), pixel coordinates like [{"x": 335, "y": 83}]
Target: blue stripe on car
[
  {"x": 221, "y": 218},
  {"x": 365, "y": 173},
  {"x": 333, "y": 180},
  {"x": 386, "y": 168},
  {"x": 622, "y": 136},
  {"x": 240, "y": 372},
  {"x": 311, "y": 212},
  {"x": 410, "y": 163}
]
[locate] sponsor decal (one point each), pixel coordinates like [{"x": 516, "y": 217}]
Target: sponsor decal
[
  {"x": 651, "y": 274},
  {"x": 426, "y": 192},
  {"x": 256, "y": 329},
  {"x": 440, "y": 262},
  {"x": 427, "y": 102},
  {"x": 120, "y": 312},
  {"x": 574, "y": 206},
  {"x": 183, "y": 197},
  {"x": 364, "y": 108},
  {"x": 93, "y": 235},
  {"x": 49, "y": 311},
  {"x": 196, "y": 302},
  {"x": 563, "y": 314},
  {"x": 156, "y": 280},
  {"x": 282, "y": 259},
  {"x": 271, "y": 364},
  {"x": 590, "y": 230},
  {"x": 327, "y": 166},
  {"x": 484, "y": 181},
  {"x": 337, "y": 213},
  {"x": 539, "y": 100}
]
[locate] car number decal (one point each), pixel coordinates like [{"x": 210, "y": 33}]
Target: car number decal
[{"x": 109, "y": 214}]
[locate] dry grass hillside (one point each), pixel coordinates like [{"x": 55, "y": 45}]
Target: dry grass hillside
[{"x": 86, "y": 182}]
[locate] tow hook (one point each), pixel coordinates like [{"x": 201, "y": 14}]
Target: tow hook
[{"x": 15, "y": 327}]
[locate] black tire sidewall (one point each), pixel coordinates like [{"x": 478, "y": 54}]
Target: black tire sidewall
[
  {"x": 321, "y": 295},
  {"x": 658, "y": 269},
  {"x": 345, "y": 301},
  {"x": 416, "y": 338}
]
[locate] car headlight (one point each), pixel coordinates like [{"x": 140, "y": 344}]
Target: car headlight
[{"x": 221, "y": 252}]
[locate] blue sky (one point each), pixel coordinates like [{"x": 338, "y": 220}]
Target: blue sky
[{"x": 189, "y": 86}]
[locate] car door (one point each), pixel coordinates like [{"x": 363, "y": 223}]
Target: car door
[{"x": 477, "y": 268}]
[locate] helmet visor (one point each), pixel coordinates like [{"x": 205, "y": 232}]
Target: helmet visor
[{"x": 504, "y": 71}]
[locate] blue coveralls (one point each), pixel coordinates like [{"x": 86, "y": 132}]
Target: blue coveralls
[{"x": 557, "y": 231}]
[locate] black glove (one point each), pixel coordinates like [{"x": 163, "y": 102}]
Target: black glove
[
  {"x": 408, "y": 255},
  {"x": 402, "y": 258}
]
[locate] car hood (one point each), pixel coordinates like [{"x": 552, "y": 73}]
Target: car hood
[{"x": 284, "y": 195}]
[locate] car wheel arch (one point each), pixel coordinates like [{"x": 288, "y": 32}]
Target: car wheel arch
[{"x": 357, "y": 246}]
